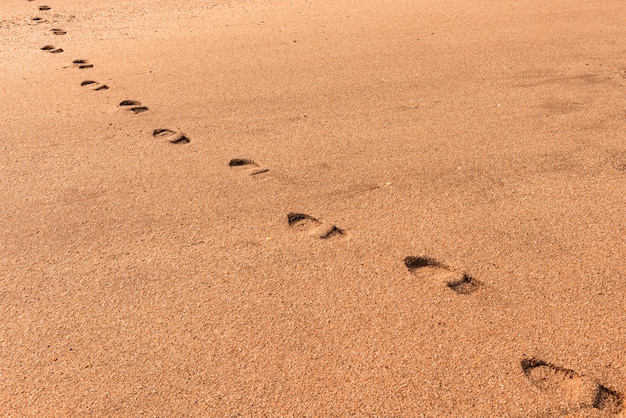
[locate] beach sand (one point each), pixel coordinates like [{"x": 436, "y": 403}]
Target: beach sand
[{"x": 313, "y": 208}]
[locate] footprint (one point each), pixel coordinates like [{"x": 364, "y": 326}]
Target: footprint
[
  {"x": 133, "y": 105},
  {"x": 247, "y": 166},
  {"x": 58, "y": 31},
  {"x": 44, "y": 8},
  {"x": 461, "y": 283},
  {"x": 36, "y": 19},
  {"x": 171, "y": 136},
  {"x": 94, "y": 85},
  {"x": 82, "y": 64},
  {"x": 571, "y": 387},
  {"x": 313, "y": 226},
  {"x": 52, "y": 49}
]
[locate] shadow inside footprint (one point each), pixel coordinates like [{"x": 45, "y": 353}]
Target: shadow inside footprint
[
  {"x": 414, "y": 263},
  {"x": 240, "y": 162},
  {"x": 44, "y": 8},
  {"x": 171, "y": 136},
  {"x": 58, "y": 31},
  {"x": 94, "y": 85},
  {"x": 82, "y": 64},
  {"x": 302, "y": 221},
  {"x": 608, "y": 400},
  {"x": 462, "y": 284},
  {"x": 570, "y": 387},
  {"x": 52, "y": 49},
  {"x": 124, "y": 103},
  {"x": 331, "y": 232},
  {"x": 313, "y": 226},
  {"x": 133, "y": 105},
  {"x": 245, "y": 164}
]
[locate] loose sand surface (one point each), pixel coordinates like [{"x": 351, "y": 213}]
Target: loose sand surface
[{"x": 390, "y": 208}]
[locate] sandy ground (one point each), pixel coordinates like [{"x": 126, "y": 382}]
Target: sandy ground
[{"x": 425, "y": 216}]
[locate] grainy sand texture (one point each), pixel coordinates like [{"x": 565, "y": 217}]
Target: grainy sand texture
[{"x": 346, "y": 208}]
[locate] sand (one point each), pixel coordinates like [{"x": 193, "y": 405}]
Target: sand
[{"x": 317, "y": 208}]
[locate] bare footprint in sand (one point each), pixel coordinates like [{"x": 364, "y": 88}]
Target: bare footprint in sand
[
  {"x": 247, "y": 166},
  {"x": 569, "y": 387},
  {"x": 44, "y": 8},
  {"x": 171, "y": 136},
  {"x": 57, "y": 31},
  {"x": 313, "y": 226},
  {"x": 94, "y": 85},
  {"x": 461, "y": 283},
  {"x": 82, "y": 64},
  {"x": 52, "y": 49},
  {"x": 133, "y": 105}
]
